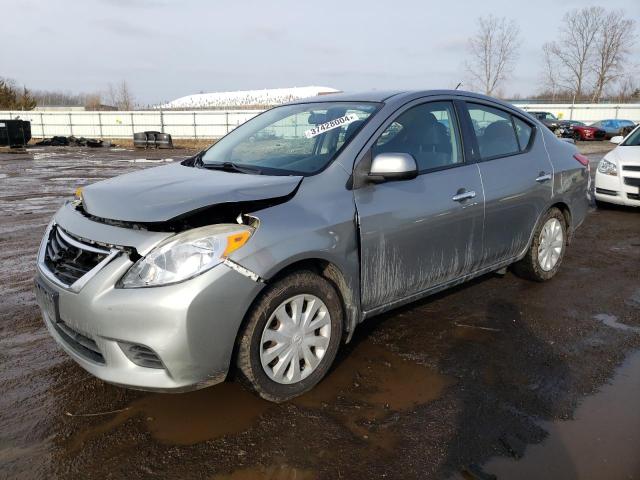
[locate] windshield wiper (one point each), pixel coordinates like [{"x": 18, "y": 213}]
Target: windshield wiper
[{"x": 230, "y": 167}]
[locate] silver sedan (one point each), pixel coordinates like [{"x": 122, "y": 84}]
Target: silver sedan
[{"x": 264, "y": 252}]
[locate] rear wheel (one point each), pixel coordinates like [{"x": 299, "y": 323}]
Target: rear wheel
[
  {"x": 291, "y": 337},
  {"x": 546, "y": 252}
]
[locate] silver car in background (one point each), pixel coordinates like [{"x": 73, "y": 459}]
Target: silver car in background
[{"x": 263, "y": 253}]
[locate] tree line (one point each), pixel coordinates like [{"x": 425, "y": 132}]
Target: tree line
[
  {"x": 14, "y": 98},
  {"x": 116, "y": 96},
  {"x": 589, "y": 60}
]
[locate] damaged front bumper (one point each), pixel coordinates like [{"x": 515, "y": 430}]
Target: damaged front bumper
[{"x": 174, "y": 338}]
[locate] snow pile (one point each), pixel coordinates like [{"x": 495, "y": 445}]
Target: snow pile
[{"x": 246, "y": 98}]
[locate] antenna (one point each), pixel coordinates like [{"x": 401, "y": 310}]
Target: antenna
[{"x": 458, "y": 86}]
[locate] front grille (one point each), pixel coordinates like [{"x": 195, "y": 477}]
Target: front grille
[
  {"x": 80, "y": 343},
  {"x": 631, "y": 168},
  {"x": 141, "y": 355},
  {"x": 604, "y": 191},
  {"x": 632, "y": 182},
  {"x": 599, "y": 134},
  {"x": 69, "y": 259}
]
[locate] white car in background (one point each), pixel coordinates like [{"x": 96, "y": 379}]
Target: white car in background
[{"x": 618, "y": 174}]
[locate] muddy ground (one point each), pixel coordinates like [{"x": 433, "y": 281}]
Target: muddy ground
[{"x": 479, "y": 373}]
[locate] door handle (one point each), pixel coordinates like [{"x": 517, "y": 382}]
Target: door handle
[
  {"x": 464, "y": 195},
  {"x": 543, "y": 177}
]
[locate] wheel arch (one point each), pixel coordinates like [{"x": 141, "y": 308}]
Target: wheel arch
[
  {"x": 566, "y": 213},
  {"x": 326, "y": 269},
  {"x": 334, "y": 274}
]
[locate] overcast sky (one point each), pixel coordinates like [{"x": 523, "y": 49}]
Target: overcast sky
[{"x": 170, "y": 48}]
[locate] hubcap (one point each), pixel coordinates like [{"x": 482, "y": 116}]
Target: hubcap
[
  {"x": 551, "y": 243},
  {"x": 295, "y": 339}
]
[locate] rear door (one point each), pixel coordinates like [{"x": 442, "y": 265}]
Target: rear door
[
  {"x": 517, "y": 176},
  {"x": 418, "y": 233}
]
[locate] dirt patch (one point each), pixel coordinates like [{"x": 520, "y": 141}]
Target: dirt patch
[
  {"x": 422, "y": 392},
  {"x": 277, "y": 472},
  {"x": 593, "y": 147}
]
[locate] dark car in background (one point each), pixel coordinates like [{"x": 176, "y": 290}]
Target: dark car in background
[
  {"x": 548, "y": 119},
  {"x": 614, "y": 127}
]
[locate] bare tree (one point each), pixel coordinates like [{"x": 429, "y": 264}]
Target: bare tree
[
  {"x": 93, "y": 101},
  {"x": 493, "y": 50},
  {"x": 628, "y": 88},
  {"x": 574, "y": 49},
  {"x": 549, "y": 74},
  {"x": 120, "y": 96},
  {"x": 612, "y": 46}
]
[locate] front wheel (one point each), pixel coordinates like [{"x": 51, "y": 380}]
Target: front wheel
[
  {"x": 546, "y": 252},
  {"x": 291, "y": 336}
]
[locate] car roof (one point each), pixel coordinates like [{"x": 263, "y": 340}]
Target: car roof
[{"x": 397, "y": 95}]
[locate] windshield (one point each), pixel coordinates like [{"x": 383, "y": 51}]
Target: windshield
[
  {"x": 299, "y": 139},
  {"x": 633, "y": 140}
]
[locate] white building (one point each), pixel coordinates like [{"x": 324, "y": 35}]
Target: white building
[{"x": 246, "y": 98}]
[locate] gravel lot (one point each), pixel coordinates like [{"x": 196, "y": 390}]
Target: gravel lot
[{"x": 427, "y": 391}]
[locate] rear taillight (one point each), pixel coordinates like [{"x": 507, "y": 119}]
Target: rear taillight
[{"x": 582, "y": 159}]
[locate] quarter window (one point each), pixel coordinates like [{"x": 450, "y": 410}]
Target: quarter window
[
  {"x": 523, "y": 131},
  {"x": 494, "y": 131},
  {"x": 428, "y": 132}
]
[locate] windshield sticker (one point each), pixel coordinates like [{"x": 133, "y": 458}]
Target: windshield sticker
[{"x": 330, "y": 125}]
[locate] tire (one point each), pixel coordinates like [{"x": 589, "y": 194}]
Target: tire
[
  {"x": 601, "y": 205},
  {"x": 536, "y": 265},
  {"x": 279, "y": 380},
  {"x": 576, "y": 136}
]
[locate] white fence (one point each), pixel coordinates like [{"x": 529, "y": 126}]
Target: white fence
[
  {"x": 586, "y": 112},
  {"x": 180, "y": 124},
  {"x": 207, "y": 124}
]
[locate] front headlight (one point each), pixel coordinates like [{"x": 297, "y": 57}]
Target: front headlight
[
  {"x": 607, "y": 167},
  {"x": 186, "y": 255}
]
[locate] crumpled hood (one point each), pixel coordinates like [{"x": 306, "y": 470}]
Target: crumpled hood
[{"x": 163, "y": 193}]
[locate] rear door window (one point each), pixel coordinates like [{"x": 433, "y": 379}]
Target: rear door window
[{"x": 494, "y": 131}]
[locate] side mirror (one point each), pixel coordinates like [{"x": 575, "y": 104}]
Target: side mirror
[
  {"x": 617, "y": 139},
  {"x": 392, "y": 166}
]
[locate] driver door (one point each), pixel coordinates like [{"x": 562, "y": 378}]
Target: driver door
[{"x": 422, "y": 232}]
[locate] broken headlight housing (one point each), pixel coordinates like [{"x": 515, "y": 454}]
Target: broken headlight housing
[
  {"x": 607, "y": 167},
  {"x": 186, "y": 255}
]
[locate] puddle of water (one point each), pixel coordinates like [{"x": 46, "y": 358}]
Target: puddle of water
[
  {"x": 602, "y": 442},
  {"x": 612, "y": 321},
  {"x": 281, "y": 472},
  {"x": 473, "y": 334},
  {"x": 634, "y": 299},
  {"x": 369, "y": 386},
  {"x": 188, "y": 418}
]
